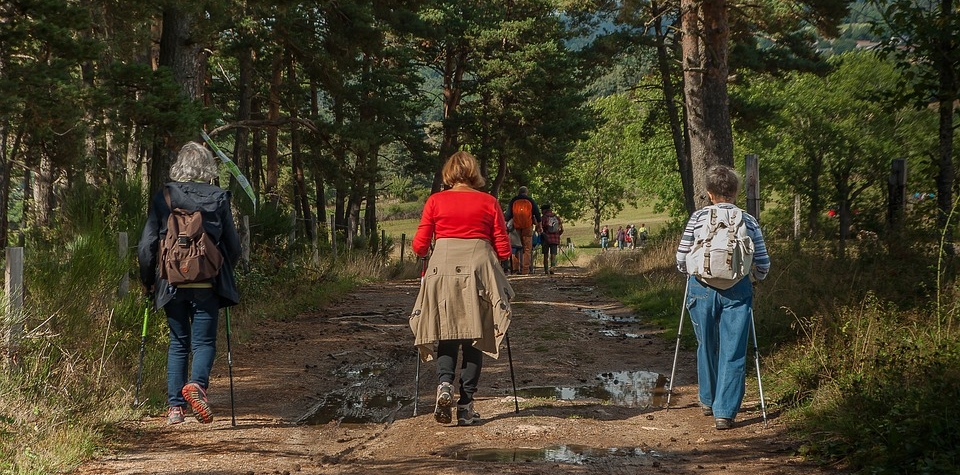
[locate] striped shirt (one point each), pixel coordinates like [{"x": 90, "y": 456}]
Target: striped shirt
[{"x": 761, "y": 260}]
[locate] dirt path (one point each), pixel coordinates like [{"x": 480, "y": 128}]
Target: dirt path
[{"x": 331, "y": 393}]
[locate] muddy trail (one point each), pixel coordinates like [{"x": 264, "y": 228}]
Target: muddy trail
[{"x": 332, "y": 392}]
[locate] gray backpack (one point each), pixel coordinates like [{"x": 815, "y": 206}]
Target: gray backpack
[{"x": 722, "y": 252}]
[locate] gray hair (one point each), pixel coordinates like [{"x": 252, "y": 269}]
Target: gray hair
[
  {"x": 194, "y": 163},
  {"x": 723, "y": 182}
]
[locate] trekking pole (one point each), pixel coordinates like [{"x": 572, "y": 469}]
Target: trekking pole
[
  {"x": 756, "y": 362},
  {"x": 233, "y": 408},
  {"x": 143, "y": 344},
  {"x": 416, "y": 390},
  {"x": 673, "y": 370},
  {"x": 568, "y": 258},
  {"x": 416, "y": 380},
  {"x": 513, "y": 380}
]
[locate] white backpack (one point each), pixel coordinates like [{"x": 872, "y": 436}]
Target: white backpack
[{"x": 722, "y": 252}]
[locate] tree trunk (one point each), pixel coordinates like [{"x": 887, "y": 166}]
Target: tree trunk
[
  {"x": 946, "y": 96},
  {"x": 677, "y": 131},
  {"x": 241, "y": 151},
  {"x": 182, "y": 53},
  {"x": 705, "y": 38},
  {"x": 301, "y": 198},
  {"x": 273, "y": 114},
  {"x": 456, "y": 58},
  {"x": 43, "y": 191}
]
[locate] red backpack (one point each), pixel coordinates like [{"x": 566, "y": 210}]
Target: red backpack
[{"x": 522, "y": 210}]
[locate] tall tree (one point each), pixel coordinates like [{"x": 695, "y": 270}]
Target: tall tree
[
  {"x": 924, "y": 38},
  {"x": 706, "y": 35}
]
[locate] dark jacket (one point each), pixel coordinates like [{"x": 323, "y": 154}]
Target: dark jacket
[
  {"x": 508, "y": 215},
  {"x": 214, "y": 203}
]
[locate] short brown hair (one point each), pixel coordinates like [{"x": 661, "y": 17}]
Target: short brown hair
[
  {"x": 723, "y": 182},
  {"x": 462, "y": 167}
]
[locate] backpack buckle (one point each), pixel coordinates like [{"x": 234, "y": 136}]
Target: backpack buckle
[{"x": 183, "y": 240}]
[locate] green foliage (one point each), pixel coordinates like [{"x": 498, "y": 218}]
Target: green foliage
[{"x": 834, "y": 131}]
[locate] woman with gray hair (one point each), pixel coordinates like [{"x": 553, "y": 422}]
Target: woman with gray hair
[{"x": 193, "y": 308}]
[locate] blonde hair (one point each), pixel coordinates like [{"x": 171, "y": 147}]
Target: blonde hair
[
  {"x": 194, "y": 163},
  {"x": 462, "y": 167}
]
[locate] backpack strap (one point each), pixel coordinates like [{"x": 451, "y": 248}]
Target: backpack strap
[
  {"x": 731, "y": 241},
  {"x": 711, "y": 232}
]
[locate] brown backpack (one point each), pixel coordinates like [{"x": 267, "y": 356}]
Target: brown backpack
[{"x": 187, "y": 254}]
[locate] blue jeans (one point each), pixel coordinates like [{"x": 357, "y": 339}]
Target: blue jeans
[
  {"x": 603, "y": 242},
  {"x": 469, "y": 370},
  {"x": 192, "y": 317},
  {"x": 721, "y": 321}
]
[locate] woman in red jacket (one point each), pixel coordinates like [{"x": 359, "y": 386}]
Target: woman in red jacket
[{"x": 464, "y": 299}]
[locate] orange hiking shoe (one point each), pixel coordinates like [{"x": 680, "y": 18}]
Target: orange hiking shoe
[{"x": 197, "y": 398}]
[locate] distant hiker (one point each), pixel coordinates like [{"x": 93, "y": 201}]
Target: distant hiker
[
  {"x": 464, "y": 299},
  {"x": 192, "y": 308},
  {"x": 525, "y": 214},
  {"x": 629, "y": 233},
  {"x": 552, "y": 229},
  {"x": 516, "y": 248},
  {"x": 642, "y": 235},
  {"x": 721, "y": 317},
  {"x": 621, "y": 238},
  {"x": 604, "y": 237}
]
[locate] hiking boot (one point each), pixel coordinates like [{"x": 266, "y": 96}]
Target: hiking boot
[
  {"x": 724, "y": 423},
  {"x": 466, "y": 415},
  {"x": 175, "y": 415},
  {"x": 197, "y": 398},
  {"x": 707, "y": 410},
  {"x": 443, "y": 412}
]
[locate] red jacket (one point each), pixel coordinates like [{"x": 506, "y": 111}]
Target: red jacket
[{"x": 465, "y": 215}]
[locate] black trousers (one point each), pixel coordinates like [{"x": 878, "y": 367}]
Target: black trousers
[{"x": 469, "y": 368}]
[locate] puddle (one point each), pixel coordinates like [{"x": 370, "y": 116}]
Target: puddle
[
  {"x": 573, "y": 454},
  {"x": 620, "y": 388},
  {"x": 605, "y": 317},
  {"x": 360, "y": 372},
  {"x": 354, "y": 409},
  {"x": 615, "y": 333}
]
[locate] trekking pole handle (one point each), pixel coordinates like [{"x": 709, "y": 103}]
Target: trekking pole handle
[{"x": 146, "y": 314}]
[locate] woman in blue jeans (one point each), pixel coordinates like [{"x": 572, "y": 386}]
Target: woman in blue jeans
[
  {"x": 192, "y": 309},
  {"x": 721, "y": 317}
]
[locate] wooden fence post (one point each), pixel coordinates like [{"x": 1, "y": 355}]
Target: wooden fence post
[
  {"x": 752, "y": 178},
  {"x": 122, "y": 243},
  {"x": 333, "y": 235},
  {"x": 403, "y": 243},
  {"x": 13, "y": 288},
  {"x": 383, "y": 244},
  {"x": 897, "y": 192},
  {"x": 245, "y": 243},
  {"x": 316, "y": 239}
]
